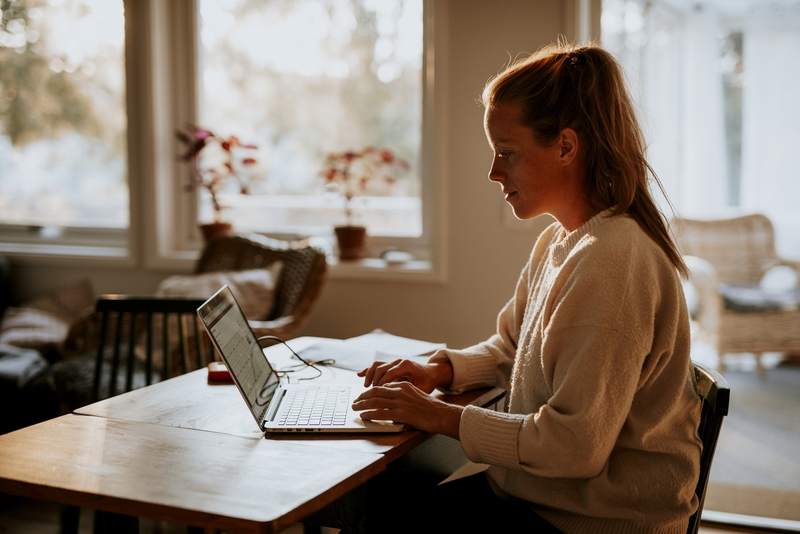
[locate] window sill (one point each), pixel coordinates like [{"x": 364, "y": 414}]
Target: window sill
[
  {"x": 50, "y": 253},
  {"x": 378, "y": 269},
  {"x": 117, "y": 256}
]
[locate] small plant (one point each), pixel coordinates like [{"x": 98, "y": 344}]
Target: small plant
[
  {"x": 215, "y": 160},
  {"x": 353, "y": 173}
]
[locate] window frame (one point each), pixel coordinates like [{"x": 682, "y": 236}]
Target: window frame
[
  {"x": 178, "y": 79},
  {"x": 39, "y": 243}
]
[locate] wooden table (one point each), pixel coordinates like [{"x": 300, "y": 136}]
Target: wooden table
[{"x": 187, "y": 451}]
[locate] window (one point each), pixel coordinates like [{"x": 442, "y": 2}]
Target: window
[
  {"x": 716, "y": 86},
  {"x": 299, "y": 90},
  {"x": 62, "y": 115},
  {"x": 79, "y": 180},
  {"x": 715, "y": 83}
]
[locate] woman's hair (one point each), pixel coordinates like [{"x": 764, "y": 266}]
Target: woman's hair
[{"x": 582, "y": 88}]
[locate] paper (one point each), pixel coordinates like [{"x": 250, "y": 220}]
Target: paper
[
  {"x": 389, "y": 347},
  {"x": 360, "y": 352},
  {"x": 344, "y": 355}
]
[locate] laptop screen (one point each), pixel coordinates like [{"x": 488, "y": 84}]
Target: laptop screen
[{"x": 225, "y": 322}]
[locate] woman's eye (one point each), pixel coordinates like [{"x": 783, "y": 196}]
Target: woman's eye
[{"x": 504, "y": 154}]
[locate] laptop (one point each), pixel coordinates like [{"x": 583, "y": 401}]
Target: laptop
[{"x": 276, "y": 406}]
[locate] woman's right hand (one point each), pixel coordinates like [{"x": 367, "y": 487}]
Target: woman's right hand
[{"x": 427, "y": 376}]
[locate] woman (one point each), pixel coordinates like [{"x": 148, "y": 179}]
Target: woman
[{"x": 600, "y": 433}]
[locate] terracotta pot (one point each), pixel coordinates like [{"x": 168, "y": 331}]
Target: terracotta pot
[
  {"x": 215, "y": 229},
  {"x": 351, "y": 240}
]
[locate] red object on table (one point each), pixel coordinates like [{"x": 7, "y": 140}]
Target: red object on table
[{"x": 218, "y": 373}]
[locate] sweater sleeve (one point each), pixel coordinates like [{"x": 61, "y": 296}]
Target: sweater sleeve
[
  {"x": 489, "y": 362},
  {"x": 597, "y": 338}
]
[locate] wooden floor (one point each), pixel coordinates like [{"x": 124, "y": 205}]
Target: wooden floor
[{"x": 26, "y": 516}]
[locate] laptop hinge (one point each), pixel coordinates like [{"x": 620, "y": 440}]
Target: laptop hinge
[{"x": 272, "y": 410}]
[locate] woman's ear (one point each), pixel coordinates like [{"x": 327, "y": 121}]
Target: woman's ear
[{"x": 568, "y": 146}]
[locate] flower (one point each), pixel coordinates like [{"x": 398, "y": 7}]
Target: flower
[
  {"x": 352, "y": 173},
  {"x": 215, "y": 161}
]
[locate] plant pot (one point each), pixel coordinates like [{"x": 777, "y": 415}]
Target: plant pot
[
  {"x": 351, "y": 240},
  {"x": 215, "y": 229}
]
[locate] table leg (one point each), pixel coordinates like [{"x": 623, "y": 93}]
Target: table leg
[{"x": 109, "y": 522}]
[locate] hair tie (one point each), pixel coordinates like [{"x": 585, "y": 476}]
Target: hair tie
[{"x": 574, "y": 58}]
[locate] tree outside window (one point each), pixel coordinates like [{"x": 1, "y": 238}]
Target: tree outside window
[
  {"x": 62, "y": 114},
  {"x": 305, "y": 78}
]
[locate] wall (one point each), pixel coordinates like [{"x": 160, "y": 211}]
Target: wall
[{"x": 485, "y": 249}]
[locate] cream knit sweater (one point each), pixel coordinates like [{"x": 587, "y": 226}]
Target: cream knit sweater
[{"x": 601, "y": 429}]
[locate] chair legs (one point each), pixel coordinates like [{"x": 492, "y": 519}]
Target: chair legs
[
  {"x": 70, "y": 519},
  {"x": 759, "y": 363},
  {"x": 108, "y": 522},
  {"x": 760, "y": 369}
]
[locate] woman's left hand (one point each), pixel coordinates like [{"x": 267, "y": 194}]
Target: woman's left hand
[{"x": 403, "y": 402}]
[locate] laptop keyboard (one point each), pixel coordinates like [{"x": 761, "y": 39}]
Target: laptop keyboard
[{"x": 315, "y": 406}]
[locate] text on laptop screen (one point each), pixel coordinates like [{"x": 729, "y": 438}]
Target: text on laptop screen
[{"x": 236, "y": 341}]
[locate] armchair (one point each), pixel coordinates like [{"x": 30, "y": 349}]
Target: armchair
[
  {"x": 301, "y": 279},
  {"x": 727, "y": 259}
]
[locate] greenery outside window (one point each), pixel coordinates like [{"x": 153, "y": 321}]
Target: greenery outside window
[
  {"x": 63, "y": 124},
  {"x": 351, "y": 79}
]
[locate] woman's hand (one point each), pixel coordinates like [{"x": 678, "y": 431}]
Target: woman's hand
[
  {"x": 426, "y": 377},
  {"x": 403, "y": 402}
]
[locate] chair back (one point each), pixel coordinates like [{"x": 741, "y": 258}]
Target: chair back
[
  {"x": 741, "y": 249},
  {"x": 132, "y": 327},
  {"x": 715, "y": 394},
  {"x": 300, "y": 281}
]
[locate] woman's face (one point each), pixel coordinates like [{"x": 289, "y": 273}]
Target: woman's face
[{"x": 528, "y": 172}]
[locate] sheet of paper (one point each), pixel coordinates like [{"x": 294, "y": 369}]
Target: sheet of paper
[
  {"x": 357, "y": 353},
  {"x": 389, "y": 346},
  {"x": 344, "y": 355}
]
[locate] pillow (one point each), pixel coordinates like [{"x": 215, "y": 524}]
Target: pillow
[
  {"x": 254, "y": 289},
  {"x": 779, "y": 279},
  {"x": 34, "y": 329},
  {"x": 18, "y": 366},
  {"x": 749, "y": 299},
  {"x": 68, "y": 303}
]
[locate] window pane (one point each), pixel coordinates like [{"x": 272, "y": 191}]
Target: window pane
[
  {"x": 302, "y": 78},
  {"x": 62, "y": 113},
  {"x": 716, "y": 85}
]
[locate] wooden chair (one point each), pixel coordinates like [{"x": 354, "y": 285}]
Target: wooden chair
[
  {"x": 173, "y": 320},
  {"x": 715, "y": 392},
  {"x": 130, "y": 328},
  {"x": 300, "y": 282},
  {"x": 727, "y": 258},
  {"x": 139, "y": 340}
]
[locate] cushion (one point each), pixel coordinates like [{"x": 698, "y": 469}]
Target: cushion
[
  {"x": 19, "y": 366},
  {"x": 73, "y": 380},
  {"x": 25, "y": 391},
  {"x": 692, "y": 298},
  {"x": 33, "y": 329},
  {"x": 67, "y": 303},
  {"x": 779, "y": 278},
  {"x": 753, "y": 299},
  {"x": 43, "y": 323},
  {"x": 5, "y": 284},
  {"x": 254, "y": 289}
]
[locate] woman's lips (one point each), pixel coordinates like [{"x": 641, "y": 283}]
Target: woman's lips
[{"x": 510, "y": 194}]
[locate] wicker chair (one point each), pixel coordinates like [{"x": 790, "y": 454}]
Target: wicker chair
[
  {"x": 301, "y": 279},
  {"x": 726, "y": 256}
]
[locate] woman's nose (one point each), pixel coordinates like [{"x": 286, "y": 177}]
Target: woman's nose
[{"x": 495, "y": 174}]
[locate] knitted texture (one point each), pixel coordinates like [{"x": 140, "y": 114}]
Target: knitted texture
[{"x": 601, "y": 429}]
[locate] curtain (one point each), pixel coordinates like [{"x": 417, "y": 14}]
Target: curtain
[
  {"x": 704, "y": 173},
  {"x": 671, "y": 58},
  {"x": 771, "y": 120}
]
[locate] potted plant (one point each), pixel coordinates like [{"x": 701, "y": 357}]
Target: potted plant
[
  {"x": 216, "y": 161},
  {"x": 352, "y": 173}
]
